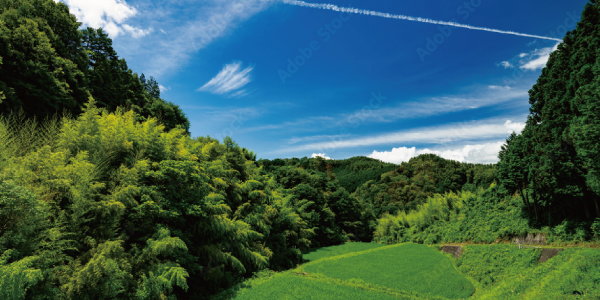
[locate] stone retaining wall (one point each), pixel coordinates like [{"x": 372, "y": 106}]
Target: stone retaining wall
[
  {"x": 454, "y": 250},
  {"x": 547, "y": 254},
  {"x": 530, "y": 239}
]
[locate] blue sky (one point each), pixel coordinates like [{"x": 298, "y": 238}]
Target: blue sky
[{"x": 290, "y": 81}]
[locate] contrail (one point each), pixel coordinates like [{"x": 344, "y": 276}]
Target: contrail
[{"x": 408, "y": 18}]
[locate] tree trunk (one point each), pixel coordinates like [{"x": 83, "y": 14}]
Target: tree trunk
[
  {"x": 534, "y": 196},
  {"x": 597, "y": 206},
  {"x": 587, "y": 210},
  {"x": 524, "y": 198}
]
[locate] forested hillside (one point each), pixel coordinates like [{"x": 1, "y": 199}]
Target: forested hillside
[
  {"x": 115, "y": 199},
  {"x": 351, "y": 173},
  {"x": 48, "y": 66},
  {"x": 420, "y": 178}
]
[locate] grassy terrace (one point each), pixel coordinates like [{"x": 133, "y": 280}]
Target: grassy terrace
[
  {"x": 364, "y": 271},
  {"x": 414, "y": 271}
]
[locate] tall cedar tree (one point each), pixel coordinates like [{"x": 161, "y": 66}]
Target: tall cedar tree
[{"x": 555, "y": 161}]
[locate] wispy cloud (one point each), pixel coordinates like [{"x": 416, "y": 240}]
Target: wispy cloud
[
  {"x": 433, "y": 106},
  {"x": 230, "y": 79},
  {"x": 163, "y": 88},
  {"x": 506, "y": 65},
  {"x": 224, "y": 114},
  {"x": 315, "y": 123},
  {"x": 481, "y": 153},
  {"x": 202, "y": 23},
  {"x": 408, "y": 18},
  {"x": 502, "y": 88},
  {"x": 238, "y": 94},
  {"x": 296, "y": 140},
  {"x": 445, "y": 134},
  {"x": 530, "y": 61},
  {"x": 538, "y": 58},
  {"x": 107, "y": 14},
  {"x": 421, "y": 108}
]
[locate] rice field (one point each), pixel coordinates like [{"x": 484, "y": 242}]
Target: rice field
[
  {"x": 292, "y": 286},
  {"x": 364, "y": 271},
  {"x": 412, "y": 271},
  {"x": 405, "y": 267},
  {"x": 319, "y": 253}
]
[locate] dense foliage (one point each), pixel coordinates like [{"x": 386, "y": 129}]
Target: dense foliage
[
  {"x": 355, "y": 171},
  {"x": 555, "y": 161},
  {"x": 482, "y": 217},
  {"x": 331, "y": 211},
  {"x": 106, "y": 207},
  {"x": 487, "y": 216},
  {"x": 410, "y": 184},
  {"x": 49, "y": 66}
]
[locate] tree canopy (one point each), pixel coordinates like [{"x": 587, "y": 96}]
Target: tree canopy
[
  {"x": 51, "y": 67},
  {"x": 554, "y": 161}
]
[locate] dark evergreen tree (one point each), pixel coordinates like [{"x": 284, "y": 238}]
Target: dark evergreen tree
[{"x": 556, "y": 156}]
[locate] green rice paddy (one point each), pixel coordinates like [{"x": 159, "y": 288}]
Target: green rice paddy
[
  {"x": 412, "y": 271},
  {"x": 325, "y": 252},
  {"x": 297, "y": 287},
  {"x": 406, "y": 267},
  {"x": 364, "y": 271}
]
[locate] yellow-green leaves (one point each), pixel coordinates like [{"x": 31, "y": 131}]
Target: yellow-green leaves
[
  {"x": 106, "y": 275},
  {"x": 17, "y": 277}
]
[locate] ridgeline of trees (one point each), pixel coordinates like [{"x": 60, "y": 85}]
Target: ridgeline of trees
[
  {"x": 119, "y": 202},
  {"x": 411, "y": 183}
]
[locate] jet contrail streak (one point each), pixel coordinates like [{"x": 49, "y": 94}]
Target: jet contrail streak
[{"x": 408, "y": 18}]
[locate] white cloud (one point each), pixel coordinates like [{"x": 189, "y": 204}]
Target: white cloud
[
  {"x": 163, "y": 88},
  {"x": 432, "y": 106},
  {"x": 514, "y": 126},
  {"x": 540, "y": 61},
  {"x": 107, "y": 14},
  {"x": 319, "y": 155},
  {"x": 388, "y": 112},
  {"x": 231, "y": 78},
  {"x": 480, "y": 153},
  {"x": 316, "y": 124},
  {"x": 137, "y": 32},
  {"x": 296, "y": 140},
  {"x": 487, "y": 130},
  {"x": 496, "y": 87},
  {"x": 192, "y": 29},
  {"x": 531, "y": 61},
  {"x": 506, "y": 65},
  {"x": 240, "y": 93}
]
